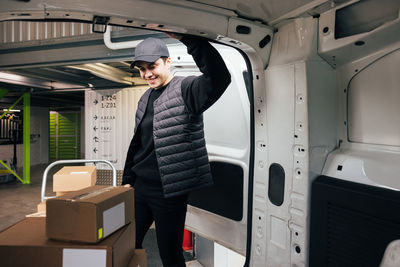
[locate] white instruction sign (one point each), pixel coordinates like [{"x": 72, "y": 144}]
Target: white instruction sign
[
  {"x": 101, "y": 125},
  {"x": 109, "y": 123}
]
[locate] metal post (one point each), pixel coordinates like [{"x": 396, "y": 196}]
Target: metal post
[
  {"x": 27, "y": 139},
  {"x": 11, "y": 171}
]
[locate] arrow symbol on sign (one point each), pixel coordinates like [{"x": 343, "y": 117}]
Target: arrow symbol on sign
[
  {"x": 96, "y": 139},
  {"x": 95, "y": 117},
  {"x": 95, "y": 150},
  {"x": 95, "y": 101},
  {"x": 95, "y": 128}
]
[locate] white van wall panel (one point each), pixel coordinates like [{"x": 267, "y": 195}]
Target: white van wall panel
[
  {"x": 301, "y": 122},
  {"x": 322, "y": 114},
  {"x": 294, "y": 42},
  {"x": 373, "y": 103},
  {"x": 369, "y": 153},
  {"x": 376, "y": 168},
  {"x": 224, "y": 257},
  {"x": 341, "y": 51},
  {"x": 281, "y": 122},
  {"x": 345, "y": 74}
]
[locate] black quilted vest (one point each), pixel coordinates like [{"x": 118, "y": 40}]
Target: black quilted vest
[{"x": 178, "y": 141}]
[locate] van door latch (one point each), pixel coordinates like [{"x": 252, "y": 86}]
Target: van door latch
[{"x": 99, "y": 24}]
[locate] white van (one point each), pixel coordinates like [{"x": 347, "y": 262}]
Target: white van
[{"x": 305, "y": 143}]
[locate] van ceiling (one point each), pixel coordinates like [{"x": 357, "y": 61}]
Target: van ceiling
[{"x": 270, "y": 11}]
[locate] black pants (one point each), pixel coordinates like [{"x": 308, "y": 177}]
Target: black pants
[{"x": 169, "y": 216}]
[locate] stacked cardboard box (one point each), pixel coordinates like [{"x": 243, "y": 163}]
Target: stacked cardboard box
[
  {"x": 69, "y": 179},
  {"x": 25, "y": 244},
  {"x": 92, "y": 227},
  {"x": 90, "y": 214},
  {"x": 72, "y": 178}
]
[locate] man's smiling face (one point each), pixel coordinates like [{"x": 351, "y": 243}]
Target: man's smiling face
[{"x": 157, "y": 74}]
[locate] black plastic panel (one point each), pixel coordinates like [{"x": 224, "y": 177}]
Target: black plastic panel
[
  {"x": 351, "y": 223},
  {"x": 364, "y": 16},
  {"x": 264, "y": 41},
  {"x": 225, "y": 197},
  {"x": 241, "y": 29},
  {"x": 276, "y": 184}
]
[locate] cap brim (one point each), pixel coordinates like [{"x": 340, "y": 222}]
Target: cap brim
[{"x": 149, "y": 59}]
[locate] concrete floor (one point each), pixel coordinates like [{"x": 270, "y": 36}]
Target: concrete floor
[{"x": 18, "y": 200}]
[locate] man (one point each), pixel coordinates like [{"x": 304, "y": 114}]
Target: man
[{"x": 167, "y": 157}]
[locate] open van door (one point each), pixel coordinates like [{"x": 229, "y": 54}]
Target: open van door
[{"x": 219, "y": 213}]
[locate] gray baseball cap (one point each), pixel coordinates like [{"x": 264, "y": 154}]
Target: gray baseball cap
[{"x": 149, "y": 50}]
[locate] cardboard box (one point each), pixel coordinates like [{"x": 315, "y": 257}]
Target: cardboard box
[
  {"x": 71, "y": 178},
  {"x": 25, "y": 244},
  {"x": 90, "y": 214},
  {"x": 139, "y": 259},
  {"x": 61, "y": 193},
  {"x": 41, "y": 207},
  {"x": 36, "y": 214}
]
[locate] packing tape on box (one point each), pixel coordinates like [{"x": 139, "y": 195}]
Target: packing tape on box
[{"x": 91, "y": 194}]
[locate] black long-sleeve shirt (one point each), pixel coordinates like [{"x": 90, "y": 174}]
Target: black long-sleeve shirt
[{"x": 198, "y": 92}]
